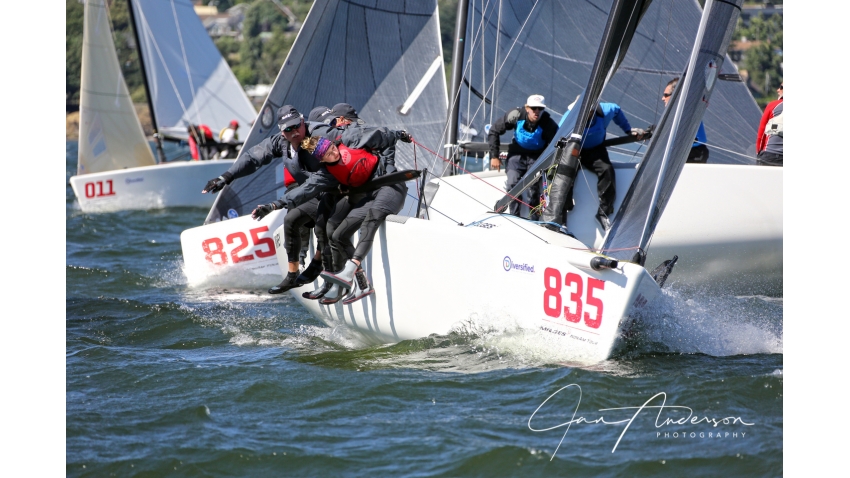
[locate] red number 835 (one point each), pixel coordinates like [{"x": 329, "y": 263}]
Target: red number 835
[{"x": 552, "y": 297}]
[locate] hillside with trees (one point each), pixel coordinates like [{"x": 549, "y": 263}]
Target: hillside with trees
[{"x": 267, "y": 32}]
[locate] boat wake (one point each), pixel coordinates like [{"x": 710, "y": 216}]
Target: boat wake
[{"x": 718, "y": 325}]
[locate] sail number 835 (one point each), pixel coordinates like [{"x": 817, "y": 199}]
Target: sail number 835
[{"x": 552, "y": 300}]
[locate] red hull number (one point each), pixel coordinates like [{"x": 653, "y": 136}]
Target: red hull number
[
  {"x": 216, "y": 253},
  {"x": 573, "y": 308},
  {"x": 96, "y": 189}
]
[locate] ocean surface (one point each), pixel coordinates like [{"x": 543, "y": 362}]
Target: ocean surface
[{"x": 163, "y": 379}]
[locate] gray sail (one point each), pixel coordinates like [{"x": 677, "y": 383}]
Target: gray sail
[
  {"x": 548, "y": 47},
  {"x": 619, "y": 29},
  {"x": 668, "y": 150},
  {"x": 381, "y": 56},
  {"x": 188, "y": 80}
]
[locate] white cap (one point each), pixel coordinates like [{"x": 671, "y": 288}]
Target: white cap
[{"x": 535, "y": 100}]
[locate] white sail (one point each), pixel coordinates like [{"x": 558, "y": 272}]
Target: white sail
[
  {"x": 188, "y": 80},
  {"x": 111, "y": 136}
]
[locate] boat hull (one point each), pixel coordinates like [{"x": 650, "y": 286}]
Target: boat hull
[
  {"x": 723, "y": 221},
  {"x": 239, "y": 252},
  {"x": 518, "y": 277},
  {"x": 176, "y": 184}
]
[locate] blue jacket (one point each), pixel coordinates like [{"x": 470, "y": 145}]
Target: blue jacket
[
  {"x": 701, "y": 138},
  {"x": 594, "y": 134}
]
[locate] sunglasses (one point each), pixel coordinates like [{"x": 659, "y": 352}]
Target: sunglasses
[
  {"x": 780, "y": 87},
  {"x": 537, "y": 108},
  {"x": 289, "y": 129},
  {"x": 667, "y": 95}
]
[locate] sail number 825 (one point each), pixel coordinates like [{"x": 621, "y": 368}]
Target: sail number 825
[
  {"x": 216, "y": 253},
  {"x": 573, "y": 309}
]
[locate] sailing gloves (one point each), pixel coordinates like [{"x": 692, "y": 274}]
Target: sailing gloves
[
  {"x": 638, "y": 132},
  {"x": 216, "y": 185},
  {"x": 263, "y": 210},
  {"x": 404, "y": 136}
]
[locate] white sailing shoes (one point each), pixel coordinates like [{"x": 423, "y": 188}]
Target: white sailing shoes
[
  {"x": 362, "y": 288},
  {"x": 344, "y": 277},
  {"x": 351, "y": 277}
]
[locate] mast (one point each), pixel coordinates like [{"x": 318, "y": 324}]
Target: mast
[
  {"x": 457, "y": 74},
  {"x": 160, "y": 155}
]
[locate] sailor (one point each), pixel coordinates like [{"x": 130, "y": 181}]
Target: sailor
[
  {"x": 699, "y": 150},
  {"x": 319, "y": 114},
  {"x": 228, "y": 138},
  {"x": 769, "y": 142},
  {"x": 358, "y": 156},
  {"x": 593, "y": 155},
  {"x": 298, "y": 162},
  {"x": 201, "y": 143},
  {"x": 533, "y": 131},
  {"x": 333, "y": 206}
]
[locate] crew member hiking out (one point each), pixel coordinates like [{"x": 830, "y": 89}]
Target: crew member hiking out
[
  {"x": 357, "y": 157},
  {"x": 299, "y": 163},
  {"x": 533, "y": 131}
]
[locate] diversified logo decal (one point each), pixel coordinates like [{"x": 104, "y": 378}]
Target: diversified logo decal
[{"x": 509, "y": 265}]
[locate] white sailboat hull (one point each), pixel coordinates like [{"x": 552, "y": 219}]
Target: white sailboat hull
[
  {"x": 515, "y": 280},
  {"x": 176, "y": 184},
  {"x": 723, "y": 221},
  {"x": 239, "y": 252}
]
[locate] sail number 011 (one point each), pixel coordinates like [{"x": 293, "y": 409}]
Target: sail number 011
[
  {"x": 552, "y": 300},
  {"x": 214, "y": 247},
  {"x": 95, "y": 189}
]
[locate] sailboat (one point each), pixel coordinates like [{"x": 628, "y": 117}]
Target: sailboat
[
  {"x": 187, "y": 82},
  {"x": 542, "y": 281},
  {"x": 393, "y": 78},
  {"x": 725, "y": 218}
]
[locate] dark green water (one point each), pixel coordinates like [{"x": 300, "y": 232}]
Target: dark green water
[{"x": 166, "y": 380}]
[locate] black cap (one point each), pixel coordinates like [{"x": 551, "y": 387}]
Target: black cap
[
  {"x": 288, "y": 116},
  {"x": 319, "y": 114},
  {"x": 345, "y": 110}
]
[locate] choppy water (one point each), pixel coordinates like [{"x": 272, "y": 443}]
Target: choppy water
[{"x": 166, "y": 380}]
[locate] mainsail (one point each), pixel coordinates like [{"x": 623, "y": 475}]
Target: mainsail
[
  {"x": 547, "y": 48},
  {"x": 111, "y": 136},
  {"x": 382, "y": 57},
  {"x": 657, "y": 174},
  {"x": 188, "y": 80}
]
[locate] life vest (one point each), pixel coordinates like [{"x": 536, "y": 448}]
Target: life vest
[
  {"x": 531, "y": 141},
  {"x": 774, "y": 125},
  {"x": 287, "y": 178},
  {"x": 355, "y": 166}
]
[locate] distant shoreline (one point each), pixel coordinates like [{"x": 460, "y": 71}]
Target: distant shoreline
[{"x": 72, "y": 122}]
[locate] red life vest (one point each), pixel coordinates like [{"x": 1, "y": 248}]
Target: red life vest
[
  {"x": 354, "y": 167},
  {"x": 287, "y": 178}
]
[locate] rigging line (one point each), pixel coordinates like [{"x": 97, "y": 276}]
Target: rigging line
[
  {"x": 496, "y": 57},
  {"x": 186, "y": 62},
  {"x": 431, "y": 208},
  {"x": 474, "y": 176},
  {"x": 149, "y": 37},
  {"x": 492, "y": 86}
]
